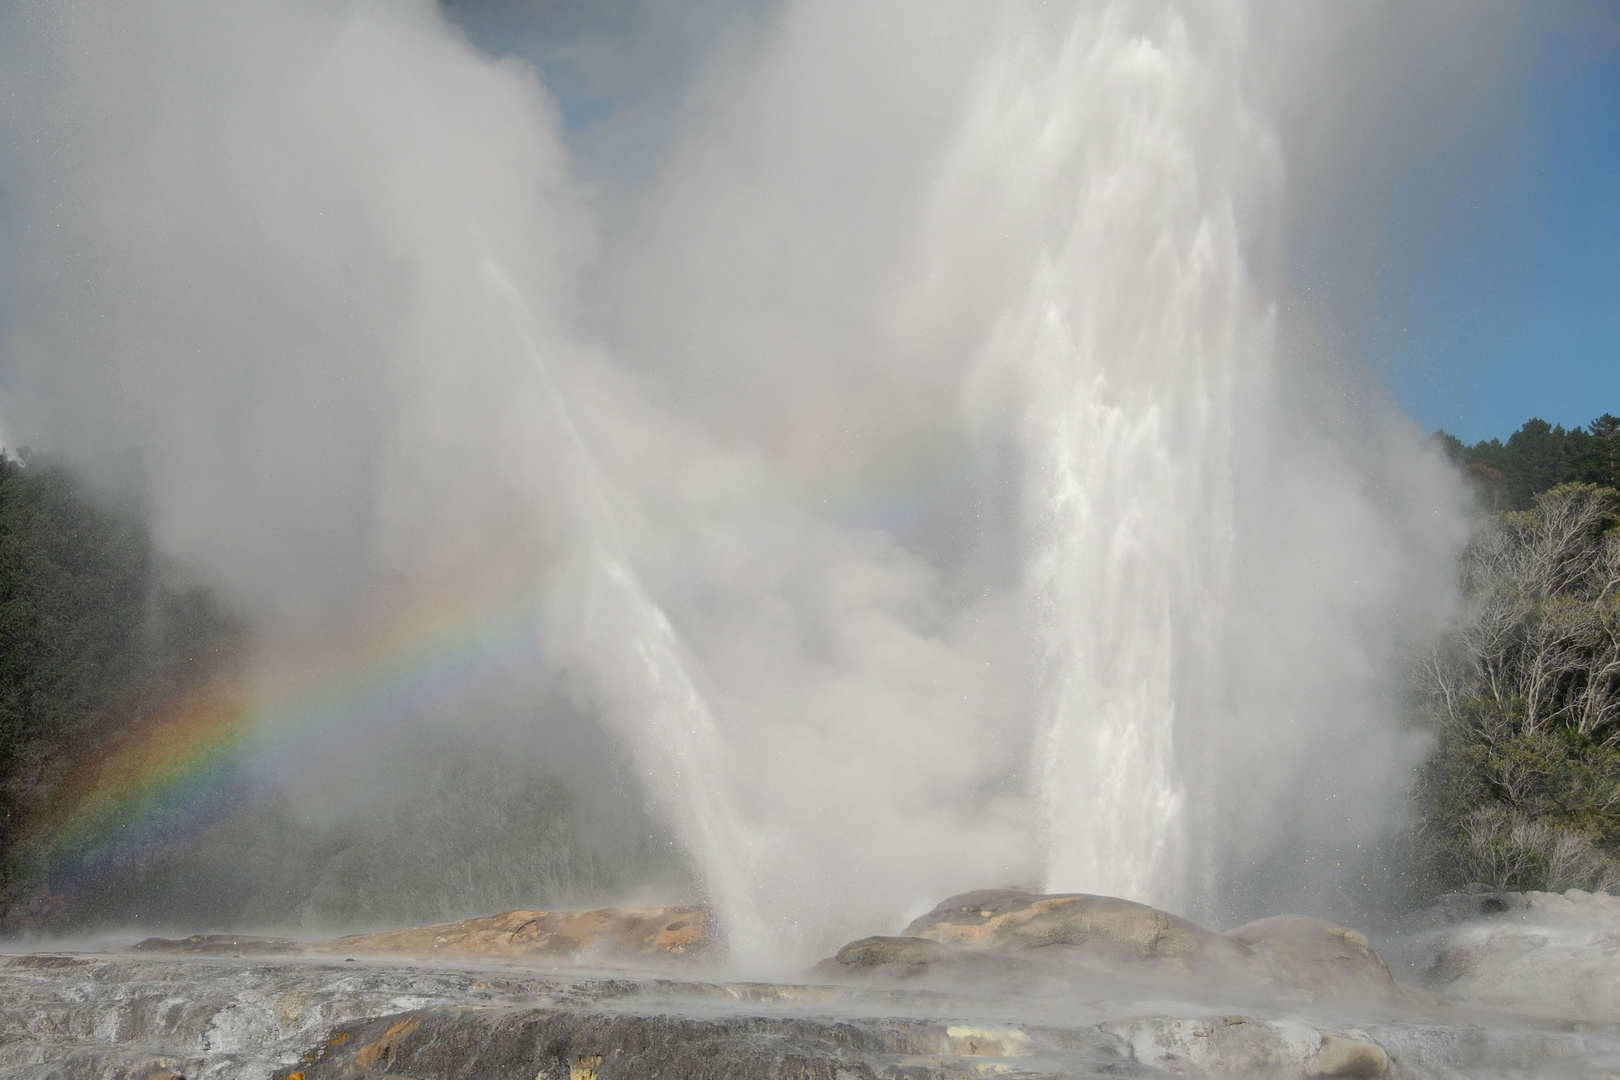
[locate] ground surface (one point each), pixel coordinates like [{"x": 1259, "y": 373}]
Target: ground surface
[
  {"x": 1508, "y": 985},
  {"x": 104, "y": 1016}
]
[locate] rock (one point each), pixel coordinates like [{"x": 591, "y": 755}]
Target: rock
[
  {"x": 1534, "y": 953},
  {"x": 608, "y": 1045},
  {"x": 1472, "y": 904},
  {"x": 1317, "y": 957},
  {"x": 902, "y": 957},
  {"x": 239, "y": 1018},
  {"x": 1249, "y": 1046},
  {"x": 670, "y": 933},
  {"x": 1070, "y": 938},
  {"x": 659, "y": 934},
  {"x": 1076, "y": 926},
  {"x": 1340, "y": 1056},
  {"x": 219, "y": 945}
]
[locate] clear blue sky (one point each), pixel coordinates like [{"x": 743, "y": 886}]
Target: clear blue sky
[{"x": 1502, "y": 296}]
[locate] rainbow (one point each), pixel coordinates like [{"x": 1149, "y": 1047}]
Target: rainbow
[
  {"x": 188, "y": 762},
  {"x": 176, "y": 765},
  {"x": 193, "y": 759}
]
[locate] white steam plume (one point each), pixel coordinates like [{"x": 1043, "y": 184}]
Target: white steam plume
[{"x": 904, "y": 457}]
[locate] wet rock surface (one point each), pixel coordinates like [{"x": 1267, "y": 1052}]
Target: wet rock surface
[
  {"x": 207, "y": 1018},
  {"x": 604, "y": 1045},
  {"x": 1019, "y": 997}
]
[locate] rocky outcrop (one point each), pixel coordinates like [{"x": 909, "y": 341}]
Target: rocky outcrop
[
  {"x": 901, "y": 957},
  {"x": 553, "y": 1044},
  {"x": 674, "y": 933},
  {"x": 1074, "y": 926},
  {"x": 1002, "y": 982},
  {"x": 202, "y": 1017},
  {"x": 1250, "y": 1046},
  {"x": 1534, "y": 953},
  {"x": 1004, "y": 935},
  {"x": 219, "y": 945},
  {"x": 656, "y": 934},
  {"x": 907, "y": 959},
  {"x": 1317, "y": 958}
]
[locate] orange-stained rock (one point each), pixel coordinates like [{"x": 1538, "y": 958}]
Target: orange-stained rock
[
  {"x": 1074, "y": 925},
  {"x": 379, "y": 1054},
  {"x": 679, "y": 932},
  {"x": 1002, "y": 935},
  {"x": 1317, "y": 957}
]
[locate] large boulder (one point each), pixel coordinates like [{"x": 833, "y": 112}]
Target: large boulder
[
  {"x": 1016, "y": 937},
  {"x": 1079, "y": 927},
  {"x": 1317, "y": 958}
]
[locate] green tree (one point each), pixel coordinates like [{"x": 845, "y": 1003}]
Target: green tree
[
  {"x": 1523, "y": 790},
  {"x": 1536, "y": 458}
]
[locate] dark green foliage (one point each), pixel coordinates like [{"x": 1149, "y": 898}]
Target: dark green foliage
[
  {"x": 1523, "y": 790},
  {"x": 1538, "y": 457},
  {"x": 93, "y": 629}
]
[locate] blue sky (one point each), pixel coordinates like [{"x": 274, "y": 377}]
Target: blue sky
[{"x": 1501, "y": 299}]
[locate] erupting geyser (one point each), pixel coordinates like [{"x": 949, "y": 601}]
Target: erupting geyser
[
  {"x": 1137, "y": 334},
  {"x": 889, "y": 455}
]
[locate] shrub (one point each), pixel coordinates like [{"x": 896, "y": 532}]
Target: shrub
[{"x": 1523, "y": 790}]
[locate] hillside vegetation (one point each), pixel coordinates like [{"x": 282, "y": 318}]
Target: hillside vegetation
[
  {"x": 1536, "y": 458},
  {"x": 1523, "y": 789}
]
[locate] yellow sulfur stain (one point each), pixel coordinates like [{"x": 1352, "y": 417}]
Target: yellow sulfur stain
[
  {"x": 987, "y": 1042},
  {"x": 585, "y": 1068}
]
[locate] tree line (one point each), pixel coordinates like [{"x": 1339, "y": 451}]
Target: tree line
[
  {"x": 1538, "y": 457},
  {"x": 1522, "y": 790}
]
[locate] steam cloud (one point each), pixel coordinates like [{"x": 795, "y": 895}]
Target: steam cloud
[{"x": 903, "y": 434}]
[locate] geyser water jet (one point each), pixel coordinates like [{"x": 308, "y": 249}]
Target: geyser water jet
[
  {"x": 605, "y": 622},
  {"x": 1136, "y": 331}
]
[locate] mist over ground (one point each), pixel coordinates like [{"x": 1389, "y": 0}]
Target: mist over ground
[{"x": 813, "y": 457}]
